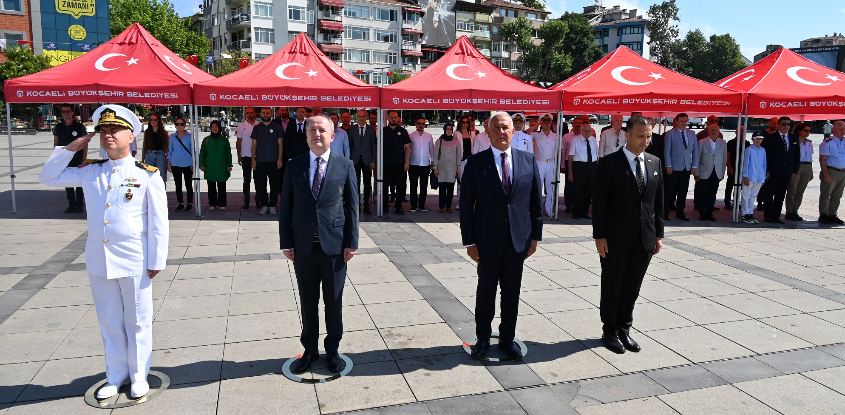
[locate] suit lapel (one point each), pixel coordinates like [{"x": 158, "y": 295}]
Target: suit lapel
[
  {"x": 632, "y": 176},
  {"x": 494, "y": 172},
  {"x": 518, "y": 170},
  {"x": 331, "y": 168}
]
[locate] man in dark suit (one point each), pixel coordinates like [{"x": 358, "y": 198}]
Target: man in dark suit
[
  {"x": 501, "y": 223},
  {"x": 628, "y": 229},
  {"x": 318, "y": 230},
  {"x": 783, "y": 157},
  {"x": 362, "y": 147},
  {"x": 295, "y": 143}
]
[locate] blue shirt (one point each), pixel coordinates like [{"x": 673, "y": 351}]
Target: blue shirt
[
  {"x": 834, "y": 149},
  {"x": 755, "y": 164},
  {"x": 177, "y": 154},
  {"x": 677, "y": 155},
  {"x": 340, "y": 145}
]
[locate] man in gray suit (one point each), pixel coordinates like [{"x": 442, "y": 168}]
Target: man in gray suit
[
  {"x": 318, "y": 230},
  {"x": 362, "y": 146},
  {"x": 712, "y": 162}
]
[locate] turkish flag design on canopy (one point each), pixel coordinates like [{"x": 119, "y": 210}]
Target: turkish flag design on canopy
[
  {"x": 624, "y": 81},
  {"x": 464, "y": 79},
  {"x": 132, "y": 67},
  {"x": 298, "y": 74},
  {"x": 786, "y": 83}
]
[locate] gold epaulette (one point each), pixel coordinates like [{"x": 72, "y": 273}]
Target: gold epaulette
[
  {"x": 94, "y": 161},
  {"x": 147, "y": 167}
]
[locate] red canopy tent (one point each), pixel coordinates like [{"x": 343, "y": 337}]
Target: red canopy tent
[
  {"x": 464, "y": 79},
  {"x": 624, "y": 81},
  {"x": 133, "y": 67},
  {"x": 298, "y": 74},
  {"x": 786, "y": 83}
]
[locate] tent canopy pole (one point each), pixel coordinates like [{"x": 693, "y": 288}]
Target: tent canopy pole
[{"x": 11, "y": 157}]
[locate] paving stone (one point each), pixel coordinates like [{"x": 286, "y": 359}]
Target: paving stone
[
  {"x": 651, "y": 406},
  {"x": 43, "y": 319},
  {"x": 247, "y": 359},
  {"x": 832, "y": 378},
  {"x": 724, "y": 399},
  {"x": 264, "y": 302},
  {"x": 567, "y": 361},
  {"x": 794, "y": 394},
  {"x": 30, "y": 347},
  {"x": 189, "y": 364},
  {"x": 263, "y": 326},
  {"x": 754, "y": 305},
  {"x": 658, "y": 291},
  {"x": 60, "y": 297},
  {"x": 403, "y": 313},
  {"x": 185, "y": 308},
  {"x": 196, "y": 398},
  {"x": 809, "y": 328},
  {"x": 66, "y": 377},
  {"x": 741, "y": 370},
  {"x": 684, "y": 378},
  {"x": 803, "y": 301},
  {"x": 421, "y": 341},
  {"x": 187, "y": 333},
  {"x": 436, "y": 377},
  {"x": 702, "y": 310},
  {"x": 837, "y": 350},
  {"x": 278, "y": 396},
  {"x": 490, "y": 403},
  {"x": 388, "y": 292},
  {"x": 620, "y": 388},
  {"x": 15, "y": 377},
  {"x": 800, "y": 360},
  {"x": 368, "y": 385},
  {"x": 756, "y": 336},
  {"x": 652, "y": 356},
  {"x": 549, "y": 301},
  {"x": 750, "y": 282},
  {"x": 81, "y": 342},
  {"x": 651, "y": 316},
  {"x": 196, "y": 287},
  {"x": 66, "y": 406}
]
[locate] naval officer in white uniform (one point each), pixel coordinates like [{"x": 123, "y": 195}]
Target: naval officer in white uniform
[
  {"x": 521, "y": 140},
  {"x": 127, "y": 242}
]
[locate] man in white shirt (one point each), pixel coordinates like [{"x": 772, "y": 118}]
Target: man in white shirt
[
  {"x": 422, "y": 153},
  {"x": 545, "y": 145},
  {"x": 243, "y": 145},
  {"x": 482, "y": 141},
  {"x": 566, "y": 143},
  {"x": 613, "y": 138},
  {"x": 583, "y": 154},
  {"x": 521, "y": 140}
]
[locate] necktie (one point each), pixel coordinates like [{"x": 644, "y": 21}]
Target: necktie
[
  {"x": 506, "y": 175},
  {"x": 589, "y": 151},
  {"x": 785, "y": 145},
  {"x": 362, "y": 132},
  {"x": 299, "y": 127},
  {"x": 317, "y": 186},
  {"x": 684, "y": 137},
  {"x": 640, "y": 178}
]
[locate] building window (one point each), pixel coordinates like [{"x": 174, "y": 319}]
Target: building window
[
  {"x": 292, "y": 36},
  {"x": 389, "y": 58},
  {"x": 215, "y": 20},
  {"x": 604, "y": 48},
  {"x": 208, "y": 23},
  {"x": 263, "y": 35},
  {"x": 495, "y": 30},
  {"x": 633, "y": 45},
  {"x": 363, "y": 76},
  {"x": 532, "y": 16},
  {"x": 606, "y": 32},
  {"x": 357, "y": 33},
  {"x": 381, "y": 79},
  {"x": 11, "y": 5},
  {"x": 518, "y": 66},
  {"x": 482, "y": 28},
  {"x": 354, "y": 10},
  {"x": 355, "y": 55},
  {"x": 262, "y": 9},
  {"x": 629, "y": 30},
  {"x": 385, "y": 36},
  {"x": 408, "y": 38},
  {"x": 297, "y": 13},
  {"x": 384, "y": 14},
  {"x": 507, "y": 13},
  {"x": 597, "y": 35},
  {"x": 412, "y": 17},
  {"x": 464, "y": 25}
]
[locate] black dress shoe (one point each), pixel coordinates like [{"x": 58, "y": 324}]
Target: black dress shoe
[
  {"x": 824, "y": 219},
  {"x": 333, "y": 361},
  {"x": 588, "y": 217},
  {"x": 399, "y": 211},
  {"x": 768, "y": 220},
  {"x": 567, "y": 210},
  {"x": 666, "y": 217},
  {"x": 304, "y": 363},
  {"x": 511, "y": 349},
  {"x": 628, "y": 342},
  {"x": 180, "y": 208},
  {"x": 682, "y": 217},
  {"x": 80, "y": 209},
  {"x": 711, "y": 218},
  {"x": 835, "y": 220},
  {"x": 778, "y": 220},
  {"x": 70, "y": 209},
  {"x": 479, "y": 349},
  {"x": 367, "y": 210},
  {"x": 702, "y": 218},
  {"x": 612, "y": 343},
  {"x": 796, "y": 217},
  {"x": 245, "y": 206},
  {"x": 575, "y": 216},
  {"x": 728, "y": 205}
]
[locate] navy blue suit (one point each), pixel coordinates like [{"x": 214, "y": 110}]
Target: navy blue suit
[
  {"x": 502, "y": 228},
  {"x": 319, "y": 260}
]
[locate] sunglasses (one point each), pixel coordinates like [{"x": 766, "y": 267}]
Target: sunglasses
[
  {"x": 464, "y": 122},
  {"x": 178, "y": 124},
  {"x": 786, "y": 123},
  {"x": 806, "y": 130},
  {"x": 420, "y": 123},
  {"x": 67, "y": 112}
]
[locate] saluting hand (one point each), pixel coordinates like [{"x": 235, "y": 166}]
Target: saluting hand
[{"x": 80, "y": 142}]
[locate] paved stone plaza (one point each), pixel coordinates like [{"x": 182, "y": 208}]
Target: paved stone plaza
[{"x": 733, "y": 319}]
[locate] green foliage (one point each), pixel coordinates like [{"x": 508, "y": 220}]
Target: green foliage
[
  {"x": 663, "y": 32},
  {"x": 20, "y": 61},
  {"x": 566, "y": 48},
  {"x": 225, "y": 66},
  {"x": 708, "y": 60},
  {"x": 534, "y": 4},
  {"x": 397, "y": 75},
  {"x": 162, "y": 21}
]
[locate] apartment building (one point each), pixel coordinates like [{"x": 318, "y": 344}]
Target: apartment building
[
  {"x": 614, "y": 27},
  {"x": 507, "y": 55},
  {"x": 474, "y": 21},
  {"x": 15, "y": 24}
]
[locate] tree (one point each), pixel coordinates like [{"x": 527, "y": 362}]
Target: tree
[
  {"x": 567, "y": 46},
  {"x": 708, "y": 60},
  {"x": 663, "y": 33},
  {"x": 534, "y": 4},
  {"x": 397, "y": 75},
  {"x": 689, "y": 54},
  {"x": 225, "y": 66},
  {"x": 21, "y": 61},
  {"x": 162, "y": 21}
]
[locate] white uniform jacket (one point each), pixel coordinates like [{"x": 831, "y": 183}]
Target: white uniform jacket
[{"x": 128, "y": 226}]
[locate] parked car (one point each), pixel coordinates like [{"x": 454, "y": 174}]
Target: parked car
[
  {"x": 594, "y": 119},
  {"x": 697, "y": 122}
]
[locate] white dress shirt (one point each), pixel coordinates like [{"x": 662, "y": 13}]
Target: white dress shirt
[
  {"x": 632, "y": 160},
  {"x": 544, "y": 146},
  {"x": 422, "y": 148},
  {"x": 578, "y": 148},
  {"x": 244, "y": 132},
  {"x": 481, "y": 143},
  {"x": 312, "y": 169},
  {"x": 611, "y": 141},
  {"x": 497, "y": 155}
]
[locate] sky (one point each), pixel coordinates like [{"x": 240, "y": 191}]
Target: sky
[{"x": 745, "y": 20}]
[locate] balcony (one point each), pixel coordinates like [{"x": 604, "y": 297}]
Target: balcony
[
  {"x": 501, "y": 54},
  {"x": 330, "y": 39},
  {"x": 410, "y": 67},
  {"x": 485, "y": 52},
  {"x": 238, "y": 21},
  {"x": 329, "y": 14},
  {"x": 243, "y": 45},
  {"x": 482, "y": 17},
  {"x": 233, "y": 2},
  {"x": 411, "y": 46},
  {"x": 482, "y": 34}
]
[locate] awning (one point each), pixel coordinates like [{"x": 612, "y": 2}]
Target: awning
[
  {"x": 406, "y": 30},
  {"x": 413, "y": 10},
  {"x": 330, "y": 48},
  {"x": 332, "y": 25},
  {"x": 332, "y": 3},
  {"x": 433, "y": 50},
  {"x": 411, "y": 53}
]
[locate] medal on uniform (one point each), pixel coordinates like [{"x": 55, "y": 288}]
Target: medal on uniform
[
  {"x": 128, "y": 195},
  {"x": 131, "y": 180}
]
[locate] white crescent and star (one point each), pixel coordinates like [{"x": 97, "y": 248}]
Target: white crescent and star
[
  {"x": 186, "y": 69},
  {"x": 450, "y": 72},
  {"x": 100, "y": 62},
  {"x": 280, "y": 71},
  {"x": 617, "y": 75},
  {"x": 793, "y": 73},
  {"x": 738, "y": 75}
]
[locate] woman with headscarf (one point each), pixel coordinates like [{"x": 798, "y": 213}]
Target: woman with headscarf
[
  {"x": 447, "y": 165},
  {"x": 156, "y": 143},
  {"x": 216, "y": 164}
]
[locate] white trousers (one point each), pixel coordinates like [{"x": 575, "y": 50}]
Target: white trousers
[
  {"x": 749, "y": 195},
  {"x": 125, "y": 311},
  {"x": 547, "y": 176}
]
